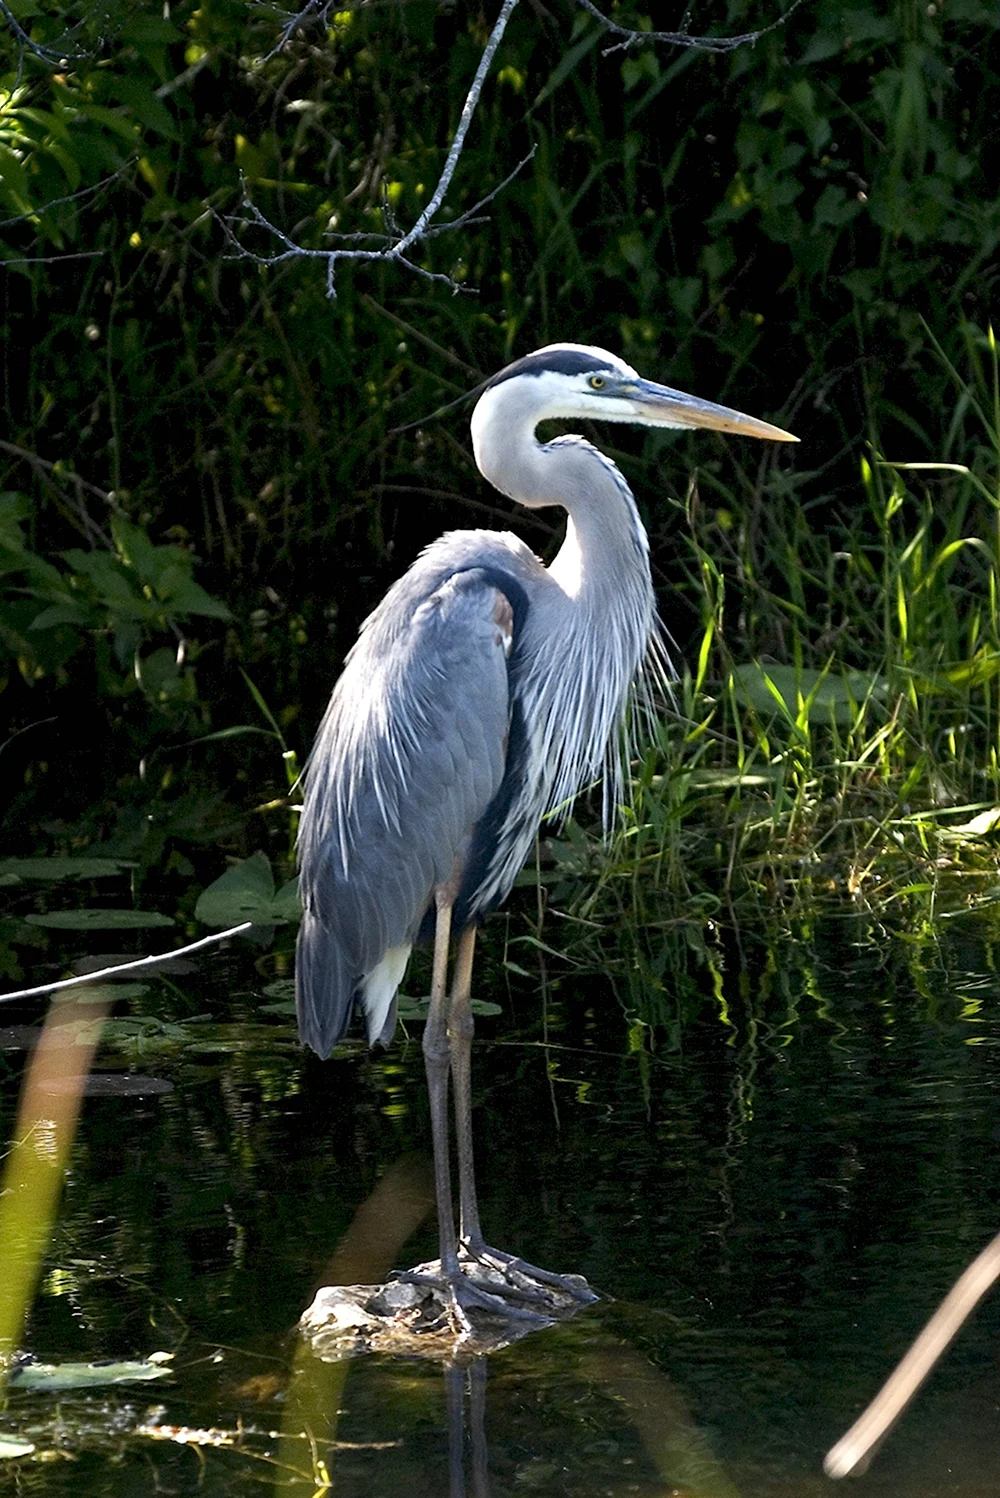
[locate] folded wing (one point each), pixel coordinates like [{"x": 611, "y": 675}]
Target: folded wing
[{"x": 409, "y": 757}]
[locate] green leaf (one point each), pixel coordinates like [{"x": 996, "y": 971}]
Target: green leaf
[
  {"x": 287, "y": 902},
  {"x": 65, "y": 868},
  {"x": 53, "y": 1378},
  {"x": 138, "y": 96},
  {"x": 417, "y": 1009},
  {"x": 14, "y": 179},
  {"x": 246, "y": 892},
  {"x": 111, "y": 120},
  {"x": 99, "y": 920},
  {"x": 62, "y": 613},
  {"x": 183, "y": 596},
  {"x": 9, "y": 1448},
  {"x": 828, "y": 695}
]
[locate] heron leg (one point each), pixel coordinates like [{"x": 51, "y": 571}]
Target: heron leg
[
  {"x": 460, "y": 1291},
  {"x": 448, "y": 1049},
  {"x": 436, "y": 1063},
  {"x": 461, "y": 1026}
]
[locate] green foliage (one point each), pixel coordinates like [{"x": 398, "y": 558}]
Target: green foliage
[
  {"x": 57, "y": 1378},
  {"x": 811, "y": 232},
  {"x": 247, "y": 892},
  {"x": 123, "y": 596},
  {"x": 105, "y": 919},
  {"x": 53, "y": 870}
]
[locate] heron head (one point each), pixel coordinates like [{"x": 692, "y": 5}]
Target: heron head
[{"x": 572, "y": 380}]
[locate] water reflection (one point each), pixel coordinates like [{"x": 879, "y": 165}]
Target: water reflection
[{"x": 772, "y": 1201}]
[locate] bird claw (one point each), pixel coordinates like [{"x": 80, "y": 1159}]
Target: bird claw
[
  {"x": 461, "y": 1294},
  {"x": 531, "y": 1283},
  {"x": 488, "y": 1281}
]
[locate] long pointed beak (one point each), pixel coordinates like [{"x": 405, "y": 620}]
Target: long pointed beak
[{"x": 660, "y": 406}]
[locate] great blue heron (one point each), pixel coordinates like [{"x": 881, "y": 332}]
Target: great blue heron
[{"x": 483, "y": 693}]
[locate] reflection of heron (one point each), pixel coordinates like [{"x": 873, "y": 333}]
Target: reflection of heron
[{"x": 485, "y": 691}]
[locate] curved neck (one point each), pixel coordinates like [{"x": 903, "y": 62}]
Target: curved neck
[{"x": 605, "y": 546}]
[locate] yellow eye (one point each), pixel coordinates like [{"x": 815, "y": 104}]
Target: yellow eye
[{"x": 597, "y": 382}]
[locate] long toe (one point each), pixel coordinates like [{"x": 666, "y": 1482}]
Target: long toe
[
  {"x": 495, "y": 1268},
  {"x": 463, "y": 1293}
]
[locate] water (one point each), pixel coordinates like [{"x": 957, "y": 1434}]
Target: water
[{"x": 771, "y": 1205}]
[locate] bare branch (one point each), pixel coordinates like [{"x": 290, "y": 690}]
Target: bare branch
[
  {"x": 60, "y": 480},
  {"x": 315, "y": 11},
  {"x": 123, "y": 967},
  {"x": 468, "y": 110},
  {"x": 396, "y": 246},
  {"x": 70, "y": 197},
  {"x": 51, "y": 259},
  {"x": 632, "y": 38},
  {"x": 393, "y": 245},
  {"x": 470, "y": 215},
  {"x": 52, "y": 57}
]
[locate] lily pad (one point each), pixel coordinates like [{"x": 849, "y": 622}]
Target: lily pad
[
  {"x": 109, "y": 1084},
  {"x": 174, "y": 967},
  {"x": 281, "y": 992},
  {"x": 64, "y": 868},
  {"x": 54, "y": 1378},
  {"x": 11, "y": 1448},
  {"x": 99, "y": 920},
  {"x": 417, "y": 1009},
  {"x": 103, "y": 993}
]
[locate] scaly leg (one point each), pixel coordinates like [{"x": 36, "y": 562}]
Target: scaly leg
[
  {"x": 436, "y": 1062},
  {"x": 460, "y": 1030},
  {"x": 460, "y": 1289}
]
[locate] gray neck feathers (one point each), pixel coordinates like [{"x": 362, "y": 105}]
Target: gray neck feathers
[{"x": 595, "y": 627}]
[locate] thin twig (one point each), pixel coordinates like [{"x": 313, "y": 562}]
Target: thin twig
[
  {"x": 51, "y": 56},
  {"x": 632, "y": 38},
  {"x": 397, "y": 248},
  {"x": 124, "y": 967},
  {"x": 896, "y": 1393},
  {"x": 393, "y": 245},
  {"x": 72, "y": 197},
  {"x": 51, "y": 259}
]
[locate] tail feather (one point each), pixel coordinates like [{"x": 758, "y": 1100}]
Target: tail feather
[{"x": 326, "y": 987}]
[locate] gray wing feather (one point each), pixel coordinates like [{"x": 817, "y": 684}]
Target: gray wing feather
[{"x": 408, "y": 757}]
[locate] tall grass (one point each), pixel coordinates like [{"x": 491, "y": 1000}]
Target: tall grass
[{"x": 835, "y": 736}]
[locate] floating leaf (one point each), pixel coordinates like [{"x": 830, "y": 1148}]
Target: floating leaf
[
  {"x": 280, "y": 988},
  {"x": 109, "y": 1084},
  {"x": 53, "y": 1378},
  {"x": 417, "y": 1009},
  {"x": 166, "y": 963},
  {"x": 246, "y": 892},
  {"x": 64, "y": 868},
  {"x": 9, "y": 1447},
  {"x": 99, "y": 920}
]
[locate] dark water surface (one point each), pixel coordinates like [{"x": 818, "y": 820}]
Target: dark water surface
[{"x": 771, "y": 1200}]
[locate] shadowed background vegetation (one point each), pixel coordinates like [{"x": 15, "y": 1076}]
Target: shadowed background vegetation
[{"x": 211, "y": 471}]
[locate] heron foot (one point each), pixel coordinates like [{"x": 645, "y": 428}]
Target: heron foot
[
  {"x": 464, "y": 1293},
  {"x": 528, "y": 1278}
]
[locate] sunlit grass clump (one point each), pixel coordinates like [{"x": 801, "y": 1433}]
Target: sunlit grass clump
[{"x": 836, "y": 735}]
